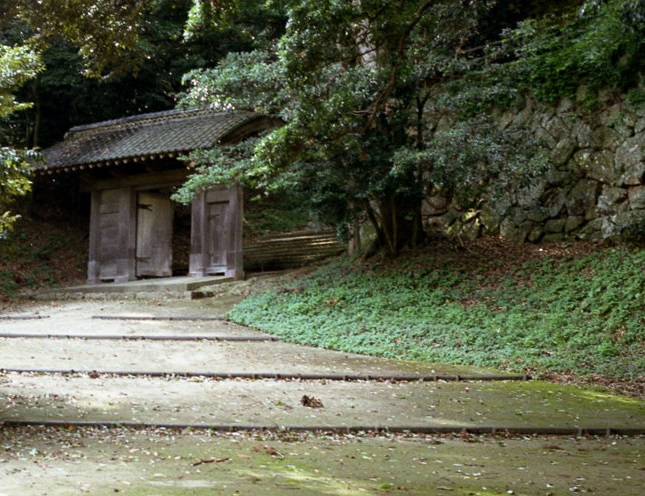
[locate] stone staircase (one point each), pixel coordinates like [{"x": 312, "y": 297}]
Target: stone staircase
[{"x": 290, "y": 250}]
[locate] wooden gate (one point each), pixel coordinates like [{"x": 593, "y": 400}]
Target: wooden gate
[
  {"x": 130, "y": 235},
  {"x": 131, "y": 231},
  {"x": 154, "y": 235},
  {"x": 216, "y": 236}
]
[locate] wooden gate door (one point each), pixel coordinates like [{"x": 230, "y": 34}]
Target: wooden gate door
[
  {"x": 154, "y": 235},
  {"x": 217, "y": 233},
  {"x": 112, "y": 223}
]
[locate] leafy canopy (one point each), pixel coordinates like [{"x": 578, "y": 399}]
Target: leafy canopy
[
  {"x": 17, "y": 65},
  {"x": 599, "y": 46},
  {"x": 104, "y": 31},
  {"x": 352, "y": 82}
]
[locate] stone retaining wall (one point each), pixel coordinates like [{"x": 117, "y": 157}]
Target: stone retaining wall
[{"x": 595, "y": 188}]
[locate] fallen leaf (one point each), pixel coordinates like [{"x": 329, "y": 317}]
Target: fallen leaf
[
  {"x": 269, "y": 450},
  {"x": 311, "y": 402}
]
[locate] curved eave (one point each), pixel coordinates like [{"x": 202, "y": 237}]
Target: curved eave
[{"x": 104, "y": 164}]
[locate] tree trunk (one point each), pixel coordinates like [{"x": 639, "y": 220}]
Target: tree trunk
[{"x": 397, "y": 221}]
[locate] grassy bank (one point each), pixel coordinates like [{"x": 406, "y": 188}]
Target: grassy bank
[
  {"x": 42, "y": 253},
  {"x": 577, "y": 309}
]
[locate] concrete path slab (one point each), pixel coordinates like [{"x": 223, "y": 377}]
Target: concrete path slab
[
  {"x": 127, "y": 398},
  {"x": 223, "y": 357},
  {"x": 88, "y": 317},
  {"x": 276, "y": 404}
]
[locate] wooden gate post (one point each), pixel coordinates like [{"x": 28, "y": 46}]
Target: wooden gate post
[
  {"x": 196, "y": 267},
  {"x": 93, "y": 263}
]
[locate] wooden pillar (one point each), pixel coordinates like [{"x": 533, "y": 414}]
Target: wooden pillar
[
  {"x": 235, "y": 260},
  {"x": 197, "y": 229},
  {"x": 94, "y": 264}
]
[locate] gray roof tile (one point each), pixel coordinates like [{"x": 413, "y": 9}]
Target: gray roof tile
[{"x": 171, "y": 132}]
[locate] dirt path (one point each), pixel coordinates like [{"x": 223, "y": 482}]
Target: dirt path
[{"x": 147, "y": 370}]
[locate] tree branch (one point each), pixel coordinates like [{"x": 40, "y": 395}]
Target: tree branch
[{"x": 383, "y": 96}]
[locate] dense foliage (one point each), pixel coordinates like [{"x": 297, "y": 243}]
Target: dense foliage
[
  {"x": 558, "y": 312},
  {"x": 103, "y": 31},
  {"x": 145, "y": 78},
  {"x": 361, "y": 86},
  {"x": 598, "y": 47},
  {"x": 17, "y": 65}
]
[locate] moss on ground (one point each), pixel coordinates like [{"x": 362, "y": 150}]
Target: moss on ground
[{"x": 66, "y": 462}]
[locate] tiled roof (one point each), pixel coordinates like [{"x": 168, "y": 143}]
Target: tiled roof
[{"x": 143, "y": 137}]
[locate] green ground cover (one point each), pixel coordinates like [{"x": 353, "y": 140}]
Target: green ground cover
[{"x": 577, "y": 309}]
